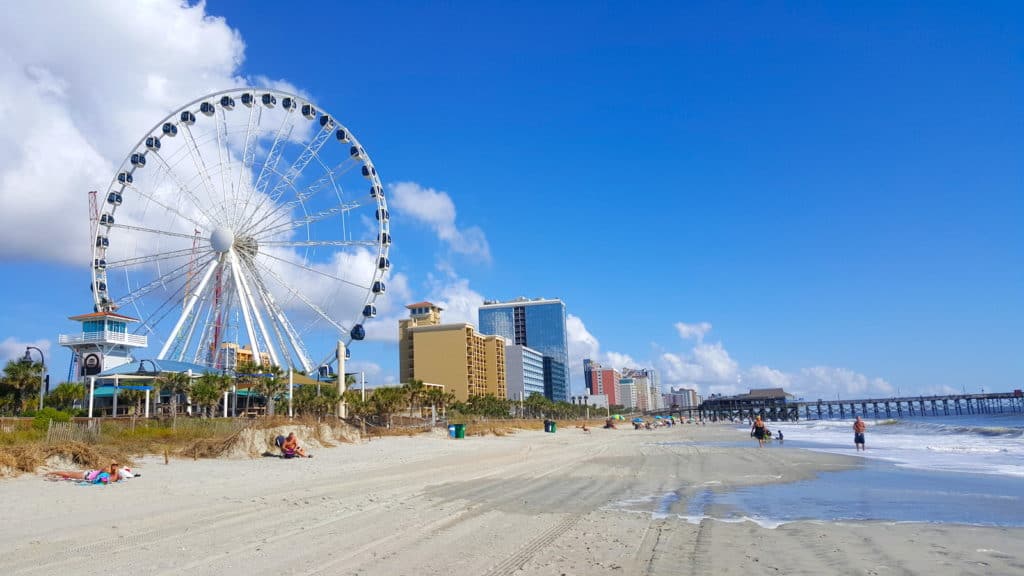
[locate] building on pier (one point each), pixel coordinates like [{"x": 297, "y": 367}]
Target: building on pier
[{"x": 769, "y": 403}]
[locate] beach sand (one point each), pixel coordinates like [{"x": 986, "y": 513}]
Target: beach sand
[{"x": 607, "y": 502}]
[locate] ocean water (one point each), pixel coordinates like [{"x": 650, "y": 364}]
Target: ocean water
[
  {"x": 877, "y": 491},
  {"x": 981, "y": 444},
  {"x": 957, "y": 470}
]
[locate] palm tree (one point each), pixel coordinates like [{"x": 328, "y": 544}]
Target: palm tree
[
  {"x": 270, "y": 384},
  {"x": 537, "y": 405},
  {"x": 64, "y": 396},
  {"x": 358, "y": 407},
  {"x": 133, "y": 399},
  {"x": 245, "y": 377},
  {"x": 177, "y": 383},
  {"x": 24, "y": 378},
  {"x": 385, "y": 401},
  {"x": 327, "y": 401},
  {"x": 208, "y": 390},
  {"x": 414, "y": 389}
]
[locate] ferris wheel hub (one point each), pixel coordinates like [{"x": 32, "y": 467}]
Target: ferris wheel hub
[{"x": 222, "y": 239}]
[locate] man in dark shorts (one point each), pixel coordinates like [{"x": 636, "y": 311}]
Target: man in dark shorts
[{"x": 858, "y": 434}]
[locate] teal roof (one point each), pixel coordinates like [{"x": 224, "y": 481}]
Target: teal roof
[{"x": 149, "y": 366}]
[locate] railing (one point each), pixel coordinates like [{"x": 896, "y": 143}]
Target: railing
[{"x": 104, "y": 336}]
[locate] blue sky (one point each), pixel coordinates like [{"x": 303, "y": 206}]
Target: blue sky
[{"x": 836, "y": 191}]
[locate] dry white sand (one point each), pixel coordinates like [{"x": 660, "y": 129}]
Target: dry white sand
[{"x": 531, "y": 503}]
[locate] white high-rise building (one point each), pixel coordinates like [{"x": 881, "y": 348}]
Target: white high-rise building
[{"x": 524, "y": 372}]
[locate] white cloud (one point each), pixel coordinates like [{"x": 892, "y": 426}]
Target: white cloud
[
  {"x": 705, "y": 364},
  {"x": 710, "y": 368},
  {"x": 827, "y": 382},
  {"x": 74, "y": 103},
  {"x": 768, "y": 377},
  {"x": 436, "y": 209},
  {"x": 693, "y": 331},
  {"x": 12, "y": 349},
  {"x": 583, "y": 344},
  {"x": 460, "y": 302}
]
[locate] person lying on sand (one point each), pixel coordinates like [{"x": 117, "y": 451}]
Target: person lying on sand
[
  {"x": 111, "y": 474},
  {"x": 291, "y": 447}
]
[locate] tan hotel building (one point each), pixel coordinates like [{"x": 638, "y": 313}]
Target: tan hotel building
[{"x": 455, "y": 355}]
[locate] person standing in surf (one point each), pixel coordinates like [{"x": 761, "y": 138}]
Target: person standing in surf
[
  {"x": 759, "y": 431},
  {"x": 858, "y": 434}
]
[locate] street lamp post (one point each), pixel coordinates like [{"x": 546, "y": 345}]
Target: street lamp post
[
  {"x": 42, "y": 371},
  {"x": 586, "y": 400}
]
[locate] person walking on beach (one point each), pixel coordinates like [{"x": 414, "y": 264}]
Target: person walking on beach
[
  {"x": 759, "y": 431},
  {"x": 858, "y": 434}
]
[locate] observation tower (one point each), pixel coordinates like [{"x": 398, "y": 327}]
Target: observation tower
[{"x": 103, "y": 343}]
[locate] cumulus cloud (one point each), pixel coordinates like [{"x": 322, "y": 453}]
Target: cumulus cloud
[
  {"x": 72, "y": 107},
  {"x": 13, "y": 349},
  {"x": 583, "y": 344},
  {"x": 768, "y": 377},
  {"x": 705, "y": 364},
  {"x": 828, "y": 381},
  {"x": 693, "y": 331},
  {"x": 436, "y": 209},
  {"x": 460, "y": 302},
  {"x": 709, "y": 368}
]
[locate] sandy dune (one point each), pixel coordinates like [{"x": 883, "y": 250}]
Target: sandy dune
[{"x": 532, "y": 503}]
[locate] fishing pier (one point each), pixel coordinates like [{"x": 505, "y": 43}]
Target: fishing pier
[{"x": 775, "y": 404}]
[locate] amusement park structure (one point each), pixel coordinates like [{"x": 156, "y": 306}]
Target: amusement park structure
[{"x": 248, "y": 220}]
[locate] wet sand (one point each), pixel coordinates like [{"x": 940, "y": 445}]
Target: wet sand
[{"x": 607, "y": 502}]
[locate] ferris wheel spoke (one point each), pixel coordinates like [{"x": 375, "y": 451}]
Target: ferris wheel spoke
[
  {"x": 316, "y": 309},
  {"x": 175, "y": 211},
  {"x": 165, "y": 167},
  {"x": 157, "y": 316},
  {"x": 150, "y": 258},
  {"x": 161, "y": 281},
  {"x": 308, "y": 243},
  {"x": 224, "y": 155},
  {"x": 315, "y": 271},
  {"x": 269, "y": 167},
  {"x": 278, "y": 321},
  {"x": 310, "y": 219},
  {"x": 201, "y": 169},
  {"x": 308, "y": 153},
  {"x": 155, "y": 231},
  {"x": 284, "y": 210},
  {"x": 249, "y": 152}
]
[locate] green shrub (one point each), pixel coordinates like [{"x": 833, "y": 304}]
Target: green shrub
[{"x": 41, "y": 419}]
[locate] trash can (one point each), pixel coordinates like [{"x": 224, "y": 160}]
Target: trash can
[
  {"x": 451, "y": 431},
  {"x": 554, "y": 426},
  {"x": 460, "y": 430},
  {"x": 549, "y": 426}
]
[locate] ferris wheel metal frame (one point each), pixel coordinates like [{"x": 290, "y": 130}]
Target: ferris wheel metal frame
[{"x": 252, "y": 220}]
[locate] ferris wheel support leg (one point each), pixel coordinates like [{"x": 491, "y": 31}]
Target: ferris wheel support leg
[
  {"x": 188, "y": 308},
  {"x": 342, "y": 408},
  {"x": 259, "y": 320},
  {"x": 243, "y": 301}
]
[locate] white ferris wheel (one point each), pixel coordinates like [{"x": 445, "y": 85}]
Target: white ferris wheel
[{"x": 249, "y": 218}]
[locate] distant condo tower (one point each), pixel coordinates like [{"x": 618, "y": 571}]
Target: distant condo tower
[
  {"x": 465, "y": 362},
  {"x": 540, "y": 324},
  {"x": 601, "y": 380}
]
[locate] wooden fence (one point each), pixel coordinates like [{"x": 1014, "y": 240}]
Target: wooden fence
[{"x": 72, "y": 432}]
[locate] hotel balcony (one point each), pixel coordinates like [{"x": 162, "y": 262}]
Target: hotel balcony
[{"x": 103, "y": 337}]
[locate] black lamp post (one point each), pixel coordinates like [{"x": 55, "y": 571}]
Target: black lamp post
[{"x": 42, "y": 371}]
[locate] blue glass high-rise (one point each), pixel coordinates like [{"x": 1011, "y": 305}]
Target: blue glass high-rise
[{"x": 539, "y": 324}]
